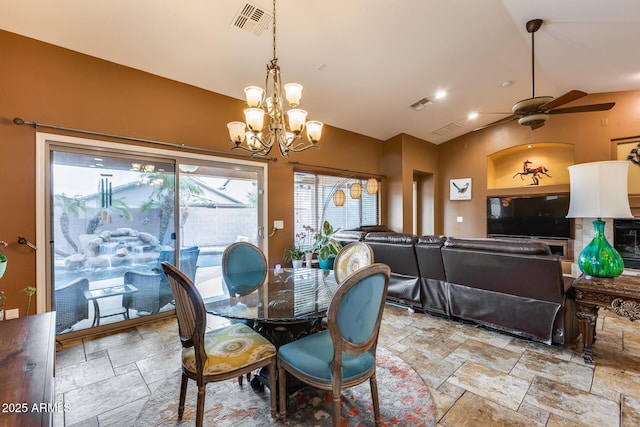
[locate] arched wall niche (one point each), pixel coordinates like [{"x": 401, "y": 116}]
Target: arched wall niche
[{"x": 506, "y": 168}]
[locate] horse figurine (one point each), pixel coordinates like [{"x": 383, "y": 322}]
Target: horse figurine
[{"x": 534, "y": 172}]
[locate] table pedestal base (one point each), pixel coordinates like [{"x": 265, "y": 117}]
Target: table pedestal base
[{"x": 281, "y": 333}]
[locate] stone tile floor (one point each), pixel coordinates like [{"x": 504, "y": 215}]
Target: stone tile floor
[{"x": 477, "y": 377}]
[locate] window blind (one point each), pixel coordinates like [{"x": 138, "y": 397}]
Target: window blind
[{"x": 313, "y": 200}]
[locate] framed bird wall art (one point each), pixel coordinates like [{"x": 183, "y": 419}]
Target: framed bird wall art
[{"x": 460, "y": 189}]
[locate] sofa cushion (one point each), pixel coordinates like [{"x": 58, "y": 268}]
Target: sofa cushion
[
  {"x": 397, "y": 251},
  {"x": 348, "y": 236},
  {"x": 432, "y": 240},
  {"x": 434, "y": 290},
  {"x": 391, "y": 237},
  {"x": 513, "y": 246}
]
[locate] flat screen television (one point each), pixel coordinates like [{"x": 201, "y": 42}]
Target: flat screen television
[{"x": 529, "y": 216}]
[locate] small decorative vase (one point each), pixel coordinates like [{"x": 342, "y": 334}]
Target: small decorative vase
[
  {"x": 599, "y": 258},
  {"x": 327, "y": 264},
  {"x": 3, "y": 267},
  {"x": 308, "y": 257},
  {"x": 297, "y": 263}
]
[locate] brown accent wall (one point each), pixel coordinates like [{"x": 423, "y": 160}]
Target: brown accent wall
[
  {"x": 43, "y": 83},
  {"x": 51, "y": 85}
]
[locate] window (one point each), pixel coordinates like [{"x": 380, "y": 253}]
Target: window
[{"x": 313, "y": 197}]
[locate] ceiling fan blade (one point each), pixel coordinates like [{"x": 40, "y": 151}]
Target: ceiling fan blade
[
  {"x": 564, "y": 99},
  {"x": 510, "y": 118},
  {"x": 583, "y": 108}
]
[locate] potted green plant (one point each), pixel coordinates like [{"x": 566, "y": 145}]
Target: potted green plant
[
  {"x": 294, "y": 255},
  {"x": 326, "y": 246}
]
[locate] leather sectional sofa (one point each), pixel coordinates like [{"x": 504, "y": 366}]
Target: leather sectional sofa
[{"x": 513, "y": 285}]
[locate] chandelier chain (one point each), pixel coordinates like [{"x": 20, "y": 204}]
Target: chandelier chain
[{"x": 274, "y": 31}]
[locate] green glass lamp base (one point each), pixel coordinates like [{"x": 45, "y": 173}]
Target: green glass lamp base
[{"x": 599, "y": 258}]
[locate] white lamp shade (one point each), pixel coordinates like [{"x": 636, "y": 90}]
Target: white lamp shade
[
  {"x": 314, "y": 131},
  {"x": 599, "y": 190},
  {"x": 236, "y": 131},
  {"x": 296, "y": 120},
  {"x": 255, "y": 119},
  {"x": 253, "y": 95},
  {"x": 293, "y": 93}
]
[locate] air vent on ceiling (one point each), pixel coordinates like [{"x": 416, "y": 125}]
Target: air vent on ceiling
[
  {"x": 252, "y": 18},
  {"x": 419, "y": 105},
  {"x": 451, "y": 127}
]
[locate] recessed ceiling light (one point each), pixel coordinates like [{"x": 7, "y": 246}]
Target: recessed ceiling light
[
  {"x": 441, "y": 94},
  {"x": 472, "y": 116}
]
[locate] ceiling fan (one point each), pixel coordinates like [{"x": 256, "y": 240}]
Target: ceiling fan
[{"x": 535, "y": 111}]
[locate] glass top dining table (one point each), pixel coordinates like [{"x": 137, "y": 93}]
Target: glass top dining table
[{"x": 287, "y": 295}]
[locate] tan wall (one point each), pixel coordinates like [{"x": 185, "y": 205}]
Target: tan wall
[
  {"x": 43, "y": 83},
  {"x": 404, "y": 158},
  {"x": 51, "y": 85},
  {"x": 589, "y": 133}
]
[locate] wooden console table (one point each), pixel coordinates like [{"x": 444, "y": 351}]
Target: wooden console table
[
  {"x": 619, "y": 294},
  {"x": 27, "y": 357}
]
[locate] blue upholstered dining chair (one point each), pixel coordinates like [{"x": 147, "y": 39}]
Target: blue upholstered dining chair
[
  {"x": 344, "y": 355},
  {"x": 216, "y": 355},
  {"x": 244, "y": 268}
]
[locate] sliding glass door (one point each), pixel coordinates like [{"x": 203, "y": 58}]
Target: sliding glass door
[{"x": 114, "y": 218}]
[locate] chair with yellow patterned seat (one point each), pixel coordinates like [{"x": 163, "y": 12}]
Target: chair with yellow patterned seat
[
  {"x": 352, "y": 257},
  {"x": 206, "y": 356}
]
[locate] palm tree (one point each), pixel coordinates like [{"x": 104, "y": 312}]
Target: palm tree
[
  {"x": 163, "y": 198},
  {"x": 69, "y": 206}
]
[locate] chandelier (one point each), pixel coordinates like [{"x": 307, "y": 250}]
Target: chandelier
[{"x": 249, "y": 137}]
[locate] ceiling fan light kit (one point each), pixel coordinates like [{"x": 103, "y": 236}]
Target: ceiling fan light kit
[{"x": 534, "y": 120}]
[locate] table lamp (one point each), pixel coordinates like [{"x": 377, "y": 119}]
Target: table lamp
[{"x": 599, "y": 190}]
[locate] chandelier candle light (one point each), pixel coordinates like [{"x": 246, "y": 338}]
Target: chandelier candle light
[
  {"x": 599, "y": 190},
  {"x": 270, "y": 101}
]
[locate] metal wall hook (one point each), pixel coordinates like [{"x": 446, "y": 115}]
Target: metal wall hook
[{"x": 24, "y": 241}]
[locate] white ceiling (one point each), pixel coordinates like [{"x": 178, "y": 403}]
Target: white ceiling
[{"x": 362, "y": 62}]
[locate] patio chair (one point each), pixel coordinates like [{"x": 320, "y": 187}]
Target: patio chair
[
  {"x": 344, "y": 355},
  {"x": 70, "y": 304},
  {"x": 217, "y": 355},
  {"x": 154, "y": 291}
]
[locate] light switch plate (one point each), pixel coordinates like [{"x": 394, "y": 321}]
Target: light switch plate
[
  {"x": 14, "y": 313},
  {"x": 278, "y": 224}
]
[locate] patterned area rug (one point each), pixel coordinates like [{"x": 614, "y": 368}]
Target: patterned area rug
[{"x": 404, "y": 401}]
